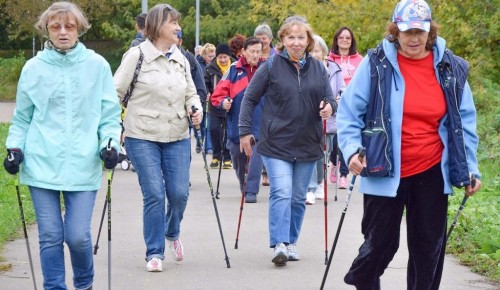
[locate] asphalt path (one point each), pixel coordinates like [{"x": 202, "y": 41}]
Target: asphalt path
[{"x": 204, "y": 266}]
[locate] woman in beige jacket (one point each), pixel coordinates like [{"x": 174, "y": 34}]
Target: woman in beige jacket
[{"x": 156, "y": 129}]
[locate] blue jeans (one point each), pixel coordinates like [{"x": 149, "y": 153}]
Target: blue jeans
[
  {"x": 53, "y": 231},
  {"x": 254, "y": 167},
  {"x": 163, "y": 171},
  {"x": 205, "y": 135},
  {"x": 287, "y": 198}
]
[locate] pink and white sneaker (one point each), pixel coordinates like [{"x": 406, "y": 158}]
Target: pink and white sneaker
[
  {"x": 154, "y": 265},
  {"x": 176, "y": 249},
  {"x": 343, "y": 184}
]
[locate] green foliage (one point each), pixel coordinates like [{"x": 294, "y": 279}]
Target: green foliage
[
  {"x": 10, "y": 70},
  {"x": 10, "y": 227}
]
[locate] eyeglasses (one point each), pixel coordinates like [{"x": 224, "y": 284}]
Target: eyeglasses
[
  {"x": 344, "y": 37},
  {"x": 56, "y": 27}
]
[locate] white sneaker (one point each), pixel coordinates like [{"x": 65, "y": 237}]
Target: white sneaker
[
  {"x": 176, "y": 249},
  {"x": 280, "y": 255},
  {"x": 320, "y": 191},
  {"x": 293, "y": 255},
  {"x": 310, "y": 199},
  {"x": 154, "y": 265}
]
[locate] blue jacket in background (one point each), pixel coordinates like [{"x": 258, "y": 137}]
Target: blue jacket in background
[{"x": 353, "y": 107}]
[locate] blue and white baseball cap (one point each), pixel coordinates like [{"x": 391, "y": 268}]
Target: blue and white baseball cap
[{"x": 411, "y": 14}]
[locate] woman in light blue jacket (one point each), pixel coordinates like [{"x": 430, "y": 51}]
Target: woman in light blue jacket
[
  {"x": 67, "y": 112},
  {"x": 430, "y": 125}
]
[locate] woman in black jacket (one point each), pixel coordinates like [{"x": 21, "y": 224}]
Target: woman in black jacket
[
  {"x": 298, "y": 96},
  {"x": 216, "y": 117}
]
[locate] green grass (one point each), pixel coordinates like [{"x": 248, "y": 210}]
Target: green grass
[{"x": 10, "y": 225}]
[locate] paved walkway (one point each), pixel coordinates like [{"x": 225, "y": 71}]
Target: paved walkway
[{"x": 204, "y": 266}]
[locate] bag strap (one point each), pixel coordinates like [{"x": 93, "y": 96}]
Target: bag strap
[{"x": 130, "y": 89}]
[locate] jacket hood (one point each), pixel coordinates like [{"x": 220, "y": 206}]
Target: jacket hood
[
  {"x": 334, "y": 57},
  {"x": 76, "y": 55},
  {"x": 391, "y": 51}
]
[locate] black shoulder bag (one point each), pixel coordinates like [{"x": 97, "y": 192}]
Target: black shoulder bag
[{"x": 130, "y": 89}]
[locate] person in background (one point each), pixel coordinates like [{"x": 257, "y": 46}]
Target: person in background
[
  {"x": 315, "y": 188},
  {"x": 432, "y": 134},
  {"x": 236, "y": 45},
  {"x": 207, "y": 54},
  {"x": 198, "y": 79},
  {"x": 197, "y": 50},
  {"x": 140, "y": 21},
  {"x": 295, "y": 86},
  {"x": 265, "y": 34},
  {"x": 64, "y": 122},
  {"x": 157, "y": 130},
  {"x": 216, "y": 116},
  {"x": 344, "y": 53},
  {"x": 228, "y": 96}
]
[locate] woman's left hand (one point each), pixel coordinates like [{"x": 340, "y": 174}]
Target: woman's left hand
[
  {"x": 196, "y": 117},
  {"x": 469, "y": 190},
  {"x": 325, "y": 111}
]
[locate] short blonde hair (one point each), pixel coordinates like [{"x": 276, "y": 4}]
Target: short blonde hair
[
  {"x": 62, "y": 8},
  {"x": 208, "y": 47},
  {"x": 287, "y": 27},
  {"x": 158, "y": 15}
]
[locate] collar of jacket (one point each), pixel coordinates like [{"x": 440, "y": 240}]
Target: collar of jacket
[
  {"x": 151, "y": 53},
  {"x": 242, "y": 62},
  {"x": 75, "y": 55}
]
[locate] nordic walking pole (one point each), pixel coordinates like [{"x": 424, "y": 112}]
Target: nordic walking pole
[
  {"x": 325, "y": 190},
  {"x": 346, "y": 204},
  {"x": 108, "y": 198},
  {"x": 462, "y": 205},
  {"x": 197, "y": 127},
  {"x": 252, "y": 142},
  {"x": 96, "y": 246},
  {"x": 223, "y": 148},
  {"x": 21, "y": 213}
]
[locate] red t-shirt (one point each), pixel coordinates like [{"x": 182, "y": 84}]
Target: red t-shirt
[{"x": 424, "y": 106}]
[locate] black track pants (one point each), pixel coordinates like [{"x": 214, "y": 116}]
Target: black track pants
[{"x": 426, "y": 212}]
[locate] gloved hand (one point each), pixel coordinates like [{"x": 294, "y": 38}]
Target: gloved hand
[
  {"x": 110, "y": 157},
  {"x": 13, "y": 159}
]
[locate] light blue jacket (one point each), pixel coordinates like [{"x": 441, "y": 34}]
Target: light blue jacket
[
  {"x": 353, "y": 106},
  {"x": 66, "y": 111}
]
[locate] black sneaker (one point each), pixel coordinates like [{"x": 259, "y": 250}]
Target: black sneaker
[{"x": 214, "y": 163}]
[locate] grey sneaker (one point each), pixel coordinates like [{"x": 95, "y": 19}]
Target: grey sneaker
[
  {"x": 293, "y": 255},
  {"x": 280, "y": 255}
]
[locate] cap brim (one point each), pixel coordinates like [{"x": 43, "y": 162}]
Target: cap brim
[{"x": 407, "y": 25}]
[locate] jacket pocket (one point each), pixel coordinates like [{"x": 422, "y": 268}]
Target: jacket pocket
[
  {"x": 147, "y": 121},
  {"x": 378, "y": 151}
]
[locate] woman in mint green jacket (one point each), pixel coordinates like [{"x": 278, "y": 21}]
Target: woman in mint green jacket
[{"x": 66, "y": 114}]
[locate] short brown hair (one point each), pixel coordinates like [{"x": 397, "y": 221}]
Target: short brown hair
[
  {"x": 287, "y": 26},
  {"x": 158, "y": 15},
  {"x": 63, "y": 8},
  {"x": 392, "y": 34}
]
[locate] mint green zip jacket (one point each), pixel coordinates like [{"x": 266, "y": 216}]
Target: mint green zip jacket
[{"x": 66, "y": 111}]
